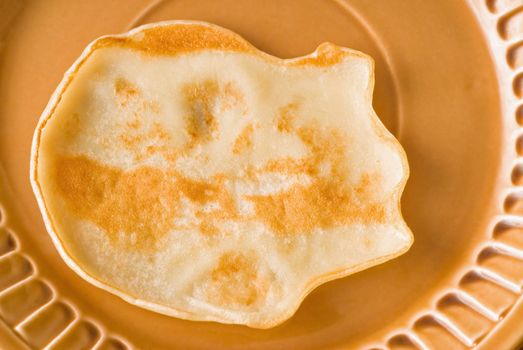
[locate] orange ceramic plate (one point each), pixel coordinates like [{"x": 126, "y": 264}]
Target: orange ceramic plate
[{"x": 449, "y": 85}]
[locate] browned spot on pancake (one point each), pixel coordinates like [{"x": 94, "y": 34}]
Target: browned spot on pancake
[
  {"x": 235, "y": 281},
  {"x": 142, "y": 134},
  {"x": 329, "y": 201},
  {"x": 157, "y": 132},
  {"x": 183, "y": 38},
  {"x": 231, "y": 96},
  {"x": 144, "y": 138},
  {"x": 286, "y": 118},
  {"x": 144, "y": 201},
  {"x": 125, "y": 90},
  {"x": 201, "y": 99},
  {"x": 214, "y": 192},
  {"x": 141, "y": 201},
  {"x": 224, "y": 198},
  {"x": 123, "y": 86},
  {"x": 150, "y": 151},
  {"x": 174, "y": 39},
  {"x": 289, "y": 165},
  {"x": 134, "y": 123},
  {"x": 366, "y": 184},
  {"x": 324, "y": 204},
  {"x": 154, "y": 133},
  {"x": 208, "y": 228},
  {"x": 198, "y": 191},
  {"x": 244, "y": 140}
]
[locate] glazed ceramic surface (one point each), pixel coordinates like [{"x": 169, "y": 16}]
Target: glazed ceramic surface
[{"x": 449, "y": 86}]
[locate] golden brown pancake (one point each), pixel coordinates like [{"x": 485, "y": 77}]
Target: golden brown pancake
[{"x": 185, "y": 171}]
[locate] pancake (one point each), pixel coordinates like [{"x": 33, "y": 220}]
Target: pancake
[{"x": 191, "y": 174}]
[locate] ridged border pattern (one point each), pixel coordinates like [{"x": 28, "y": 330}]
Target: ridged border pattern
[{"x": 34, "y": 309}]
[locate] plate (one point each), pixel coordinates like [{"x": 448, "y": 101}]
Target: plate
[{"x": 449, "y": 84}]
